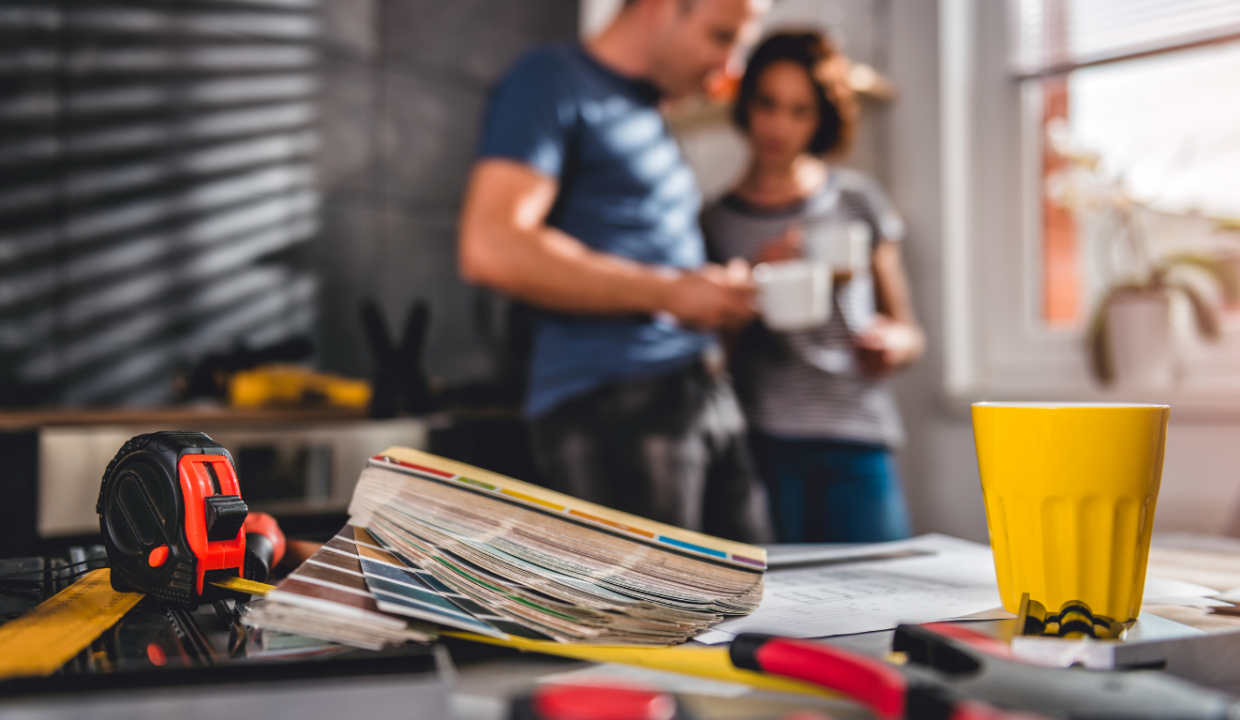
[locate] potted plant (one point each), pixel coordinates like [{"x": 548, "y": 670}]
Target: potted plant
[{"x": 1130, "y": 338}]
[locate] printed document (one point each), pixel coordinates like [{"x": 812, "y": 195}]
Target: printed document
[{"x": 926, "y": 579}]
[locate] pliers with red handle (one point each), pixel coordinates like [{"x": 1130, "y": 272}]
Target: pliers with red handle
[{"x": 956, "y": 673}]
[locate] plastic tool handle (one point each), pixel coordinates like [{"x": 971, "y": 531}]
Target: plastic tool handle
[
  {"x": 265, "y": 541},
  {"x": 877, "y": 685},
  {"x": 265, "y": 525}
]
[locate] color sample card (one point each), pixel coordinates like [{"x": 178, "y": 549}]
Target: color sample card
[
  {"x": 328, "y": 598},
  {"x": 406, "y": 590},
  {"x": 515, "y": 556},
  {"x": 437, "y": 544}
]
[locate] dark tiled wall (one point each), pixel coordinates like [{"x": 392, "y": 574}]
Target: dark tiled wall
[
  {"x": 404, "y": 86},
  {"x": 156, "y": 190}
]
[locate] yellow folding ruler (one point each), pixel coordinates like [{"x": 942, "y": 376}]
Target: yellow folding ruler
[
  {"x": 47, "y": 637},
  {"x": 705, "y": 662}
]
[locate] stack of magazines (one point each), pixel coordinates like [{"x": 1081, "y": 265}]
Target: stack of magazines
[{"x": 434, "y": 544}]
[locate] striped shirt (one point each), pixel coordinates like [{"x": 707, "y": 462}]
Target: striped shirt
[{"x": 808, "y": 384}]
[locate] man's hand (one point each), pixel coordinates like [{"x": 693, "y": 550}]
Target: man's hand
[
  {"x": 887, "y": 345},
  {"x": 713, "y": 298}
]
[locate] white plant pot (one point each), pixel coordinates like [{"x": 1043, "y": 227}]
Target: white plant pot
[{"x": 1140, "y": 341}]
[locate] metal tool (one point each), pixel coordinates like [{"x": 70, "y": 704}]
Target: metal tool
[
  {"x": 174, "y": 523},
  {"x": 956, "y": 672},
  {"x": 1073, "y": 621}
]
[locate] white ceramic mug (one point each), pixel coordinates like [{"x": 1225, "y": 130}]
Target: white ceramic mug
[
  {"x": 793, "y": 294},
  {"x": 842, "y": 245}
]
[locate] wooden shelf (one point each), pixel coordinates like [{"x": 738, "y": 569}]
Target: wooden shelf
[{"x": 11, "y": 420}]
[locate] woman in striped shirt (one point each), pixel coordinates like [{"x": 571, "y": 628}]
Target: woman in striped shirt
[{"x": 824, "y": 423}]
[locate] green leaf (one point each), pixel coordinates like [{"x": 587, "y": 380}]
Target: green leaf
[
  {"x": 1209, "y": 324},
  {"x": 1220, "y": 270}
]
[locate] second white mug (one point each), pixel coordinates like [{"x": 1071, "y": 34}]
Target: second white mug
[{"x": 793, "y": 294}]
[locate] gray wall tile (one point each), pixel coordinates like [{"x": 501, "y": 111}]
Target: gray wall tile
[
  {"x": 420, "y": 262},
  {"x": 404, "y": 87},
  {"x": 428, "y": 135},
  {"x": 347, "y": 127},
  {"x": 476, "y": 39},
  {"x": 348, "y": 253},
  {"x": 351, "y": 28}
]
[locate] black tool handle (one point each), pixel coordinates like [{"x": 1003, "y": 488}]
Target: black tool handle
[{"x": 970, "y": 665}]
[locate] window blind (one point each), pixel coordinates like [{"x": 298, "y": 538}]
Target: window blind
[
  {"x": 1056, "y": 36},
  {"x": 156, "y": 182}
]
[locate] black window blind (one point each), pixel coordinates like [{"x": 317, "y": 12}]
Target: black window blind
[{"x": 156, "y": 190}]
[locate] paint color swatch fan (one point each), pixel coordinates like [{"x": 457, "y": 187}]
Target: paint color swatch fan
[{"x": 435, "y": 541}]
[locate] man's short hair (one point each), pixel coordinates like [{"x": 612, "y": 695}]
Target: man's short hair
[
  {"x": 684, "y": 4},
  {"x": 837, "y": 106}
]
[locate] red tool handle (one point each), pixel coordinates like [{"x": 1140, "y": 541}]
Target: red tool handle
[
  {"x": 876, "y": 684},
  {"x": 265, "y": 525},
  {"x": 880, "y": 686}
]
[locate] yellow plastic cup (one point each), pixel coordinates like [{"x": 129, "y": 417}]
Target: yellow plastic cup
[{"x": 1070, "y": 490}]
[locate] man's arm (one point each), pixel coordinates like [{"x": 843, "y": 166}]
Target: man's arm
[{"x": 505, "y": 244}]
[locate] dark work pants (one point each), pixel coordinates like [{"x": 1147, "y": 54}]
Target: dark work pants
[
  {"x": 828, "y": 491},
  {"x": 670, "y": 448}
]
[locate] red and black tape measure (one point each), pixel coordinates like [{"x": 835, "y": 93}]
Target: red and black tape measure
[{"x": 173, "y": 520}]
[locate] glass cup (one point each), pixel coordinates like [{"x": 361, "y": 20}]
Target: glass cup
[{"x": 1070, "y": 490}]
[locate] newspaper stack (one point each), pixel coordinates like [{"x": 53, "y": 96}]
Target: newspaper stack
[{"x": 439, "y": 542}]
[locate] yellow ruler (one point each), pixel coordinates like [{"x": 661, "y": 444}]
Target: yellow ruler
[
  {"x": 240, "y": 584},
  {"x": 47, "y": 637},
  {"x": 712, "y": 663},
  {"x": 705, "y": 662}
]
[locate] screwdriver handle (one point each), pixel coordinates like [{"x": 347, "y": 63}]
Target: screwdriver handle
[
  {"x": 877, "y": 685},
  {"x": 265, "y": 542},
  {"x": 880, "y": 686}
]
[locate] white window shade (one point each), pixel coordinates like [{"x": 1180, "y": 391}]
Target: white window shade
[{"x": 1053, "y": 36}]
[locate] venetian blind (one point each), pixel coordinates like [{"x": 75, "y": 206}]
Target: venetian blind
[
  {"x": 156, "y": 180},
  {"x": 1053, "y": 36}
]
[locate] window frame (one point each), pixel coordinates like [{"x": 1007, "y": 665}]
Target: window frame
[{"x": 994, "y": 345}]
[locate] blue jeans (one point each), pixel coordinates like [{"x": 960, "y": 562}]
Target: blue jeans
[{"x": 830, "y": 491}]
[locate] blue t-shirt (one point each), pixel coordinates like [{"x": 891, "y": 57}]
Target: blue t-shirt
[{"x": 624, "y": 190}]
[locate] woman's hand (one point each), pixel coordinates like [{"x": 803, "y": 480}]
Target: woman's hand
[
  {"x": 787, "y": 246},
  {"x": 888, "y": 344}
]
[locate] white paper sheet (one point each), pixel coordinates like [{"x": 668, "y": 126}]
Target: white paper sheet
[
  {"x": 1165, "y": 591},
  {"x": 953, "y": 578},
  {"x": 781, "y": 557}
]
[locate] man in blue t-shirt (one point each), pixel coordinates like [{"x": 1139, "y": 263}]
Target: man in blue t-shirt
[{"x": 581, "y": 206}]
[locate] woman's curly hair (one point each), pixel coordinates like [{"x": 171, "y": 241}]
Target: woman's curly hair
[{"x": 827, "y": 69}]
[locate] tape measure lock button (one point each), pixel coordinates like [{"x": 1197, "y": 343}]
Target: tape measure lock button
[
  {"x": 225, "y": 514},
  {"x": 158, "y": 556}
]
